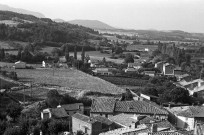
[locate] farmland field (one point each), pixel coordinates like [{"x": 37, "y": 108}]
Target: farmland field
[
  {"x": 142, "y": 47},
  {"x": 97, "y": 55},
  {"x": 71, "y": 79}
]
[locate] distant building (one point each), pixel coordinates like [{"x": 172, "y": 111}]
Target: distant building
[
  {"x": 191, "y": 86},
  {"x": 56, "y": 113},
  {"x": 130, "y": 70},
  {"x": 159, "y": 65},
  {"x": 103, "y": 71},
  {"x": 90, "y": 125},
  {"x": 71, "y": 109},
  {"x": 150, "y": 73},
  {"x": 19, "y": 65},
  {"x": 135, "y": 65},
  {"x": 168, "y": 69}
]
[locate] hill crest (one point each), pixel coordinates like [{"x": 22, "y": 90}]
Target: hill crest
[{"x": 94, "y": 24}]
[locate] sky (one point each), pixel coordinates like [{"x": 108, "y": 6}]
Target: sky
[{"x": 187, "y": 15}]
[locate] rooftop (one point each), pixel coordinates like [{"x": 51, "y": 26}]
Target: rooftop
[
  {"x": 103, "y": 105},
  {"x": 59, "y": 112},
  {"x": 188, "y": 111},
  {"x": 84, "y": 118},
  {"x": 70, "y": 107},
  {"x": 139, "y": 107},
  {"x": 120, "y": 131},
  {"x": 124, "y": 120}
]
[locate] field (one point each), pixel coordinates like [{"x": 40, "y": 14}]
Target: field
[
  {"x": 142, "y": 47},
  {"x": 69, "y": 79},
  {"x": 96, "y": 55}
]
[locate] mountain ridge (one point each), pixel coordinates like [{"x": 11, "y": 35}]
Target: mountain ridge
[
  {"x": 94, "y": 24},
  {"x": 21, "y": 11}
]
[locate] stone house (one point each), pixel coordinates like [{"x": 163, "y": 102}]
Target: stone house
[
  {"x": 108, "y": 107},
  {"x": 90, "y": 125}
]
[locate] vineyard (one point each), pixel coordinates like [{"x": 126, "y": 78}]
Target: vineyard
[
  {"x": 124, "y": 81},
  {"x": 71, "y": 79}
]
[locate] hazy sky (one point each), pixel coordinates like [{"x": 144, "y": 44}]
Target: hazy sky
[{"x": 185, "y": 15}]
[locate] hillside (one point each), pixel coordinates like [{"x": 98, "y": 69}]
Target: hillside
[
  {"x": 22, "y": 11},
  {"x": 30, "y": 28},
  {"x": 94, "y": 24}
]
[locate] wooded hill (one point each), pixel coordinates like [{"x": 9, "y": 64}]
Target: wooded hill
[{"x": 33, "y": 29}]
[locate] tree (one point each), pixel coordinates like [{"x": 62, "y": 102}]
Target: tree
[
  {"x": 129, "y": 58},
  {"x": 67, "y": 54},
  {"x": 14, "y": 110},
  {"x": 79, "y": 132},
  {"x": 13, "y": 131},
  {"x": 53, "y": 98},
  {"x": 2, "y": 54},
  {"x": 3, "y": 126},
  {"x": 44, "y": 125},
  {"x": 83, "y": 54},
  {"x": 75, "y": 52}
]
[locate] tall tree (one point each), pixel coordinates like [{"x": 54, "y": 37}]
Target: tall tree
[
  {"x": 83, "y": 54},
  {"x": 75, "y": 52},
  {"x": 67, "y": 53}
]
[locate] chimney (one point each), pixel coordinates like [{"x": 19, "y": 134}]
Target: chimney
[{"x": 169, "y": 106}]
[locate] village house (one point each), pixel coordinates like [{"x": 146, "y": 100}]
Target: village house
[
  {"x": 186, "y": 117},
  {"x": 130, "y": 70},
  {"x": 168, "y": 69},
  {"x": 56, "y": 113},
  {"x": 108, "y": 107},
  {"x": 71, "y": 109},
  {"x": 150, "y": 73},
  {"x": 135, "y": 65},
  {"x": 149, "y": 97},
  {"x": 103, "y": 71},
  {"x": 62, "y": 111},
  {"x": 191, "y": 86},
  {"x": 19, "y": 65},
  {"x": 91, "y": 125},
  {"x": 159, "y": 65}
]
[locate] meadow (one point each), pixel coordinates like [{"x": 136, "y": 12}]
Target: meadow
[{"x": 70, "y": 79}]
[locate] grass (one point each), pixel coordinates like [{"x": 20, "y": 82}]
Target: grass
[{"x": 70, "y": 79}]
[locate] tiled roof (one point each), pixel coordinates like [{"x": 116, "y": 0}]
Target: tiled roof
[
  {"x": 69, "y": 107},
  {"x": 103, "y": 120},
  {"x": 59, "y": 112},
  {"x": 127, "y": 131},
  {"x": 84, "y": 118},
  {"x": 192, "y": 111},
  {"x": 124, "y": 120},
  {"x": 139, "y": 107},
  {"x": 166, "y": 133},
  {"x": 103, "y": 105}
]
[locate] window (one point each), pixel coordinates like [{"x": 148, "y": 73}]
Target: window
[{"x": 106, "y": 115}]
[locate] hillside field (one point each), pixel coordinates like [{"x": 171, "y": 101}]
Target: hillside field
[{"x": 70, "y": 79}]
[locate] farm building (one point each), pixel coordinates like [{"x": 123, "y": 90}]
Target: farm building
[{"x": 19, "y": 64}]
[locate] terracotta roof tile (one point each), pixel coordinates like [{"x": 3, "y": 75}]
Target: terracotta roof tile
[
  {"x": 103, "y": 105},
  {"x": 140, "y": 107},
  {"x": 59, "y": 112},
  {"x": 84, "y": 118},
  {"x": 69, "y": 107}
]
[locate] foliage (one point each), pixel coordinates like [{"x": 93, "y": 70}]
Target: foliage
[
  {"x": 3, "y": 126},
  {"x": 14, "y": 110},
  {"x": 53, "y": 98},
  {"x": 80, "y": 132},
  {"x": 129, "y": 58},
  {"x": 124, "y": 81},
  {"x": 13, "y": 131}
]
